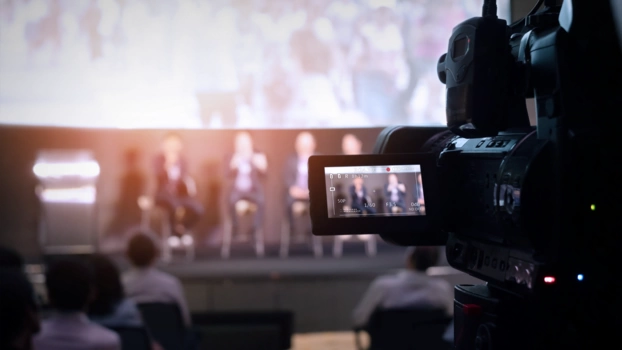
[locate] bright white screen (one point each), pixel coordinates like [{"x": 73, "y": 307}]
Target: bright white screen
[{"x": 232, "y": 64}]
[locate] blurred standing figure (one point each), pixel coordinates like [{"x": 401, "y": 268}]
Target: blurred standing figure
[
  {"x": 381, "y": 71},
  {"x": 315, "y": 100},
  {"x": 173, "y": 186},
  {"x": 246, "y": 167},
  {"x": 216, "y": 77},
  {"x": 408, "y": 288},
  {"x": 297, "y": 176}
]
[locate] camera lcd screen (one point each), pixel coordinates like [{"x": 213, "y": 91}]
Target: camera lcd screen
[{"x": 378, "y": 190}]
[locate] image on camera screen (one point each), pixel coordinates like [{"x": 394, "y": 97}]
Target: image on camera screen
[{"x": 379, "y": 190}]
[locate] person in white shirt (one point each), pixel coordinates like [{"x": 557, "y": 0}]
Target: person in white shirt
[
  {"x": 143, "y": 283},
  {"x": 409, "y": 288},
  {"x": 70, "y": 290}
]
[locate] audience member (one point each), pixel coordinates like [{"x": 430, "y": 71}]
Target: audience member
[
  {"x": 173, "y": 191},
  {"x": 409, "y": 288},
  {"x": 19, "y": 316},
  {"x": 10, "y": 259},
  {"x": 111, "y": 308},
  {"x": 70, "y": 287},
  {"x": 146, "y": 284}
]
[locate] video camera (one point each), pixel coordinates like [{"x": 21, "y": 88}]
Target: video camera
[{"x": 529, "y": 210}]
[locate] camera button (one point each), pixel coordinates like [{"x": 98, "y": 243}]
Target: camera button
[
  {"x": 494, "y": 263},
  {"x": 487, "y": 261},
  {"x": 502, "y": 265}
]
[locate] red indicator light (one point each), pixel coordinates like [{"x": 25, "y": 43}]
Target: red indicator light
[
  {"x": 388, "y": 169},
  {"x": 549, "y": 279}
]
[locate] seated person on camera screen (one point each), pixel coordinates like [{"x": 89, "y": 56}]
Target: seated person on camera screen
[
  {"x": 395, "y": 192},
  {"x": 360, "y": 197},
  {"x": 173, "y": 194},
  {"x": 408, "y": 288},
  {"x": 246, "y": 167}
]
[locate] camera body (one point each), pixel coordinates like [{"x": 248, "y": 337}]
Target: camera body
[{"x": 531, "y": 211}]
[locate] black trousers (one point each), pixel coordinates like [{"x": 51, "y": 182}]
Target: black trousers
[
  {"x": 171, "y": 202},
  {"x": 253, "y": 197}
]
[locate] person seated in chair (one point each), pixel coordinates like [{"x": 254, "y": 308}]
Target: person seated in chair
[
  {"x": 19, "y": 314},
  {"x": 143, "y": 283},
  {"x": 246, "y": 167},
  {"x": 359, "y": 197},
  {"x": 111, "y": 308},
  {"x": 173, "y": 192},
  {"x": 70, "y": 287},
  {"x": 395, "y": 192},
  {"x": 409, "y": 288},
  {"x": 297, "y": 178}
]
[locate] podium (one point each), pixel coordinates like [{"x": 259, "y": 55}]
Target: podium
[{"x": 67, "y": 191}]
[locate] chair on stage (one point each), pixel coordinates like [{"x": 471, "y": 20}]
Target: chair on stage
[
  {"x": 369, "y": 241},
  {"x": 244, "y": 210},
  {"x": 133, "y": 338},
  {"x": 298, "y": 213},
  {"x": 150, "y": 210},
  {"x": 405, "y": 329},
  {"x": 165, "y": 323}
]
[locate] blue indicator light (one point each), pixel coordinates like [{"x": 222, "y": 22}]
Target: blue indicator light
[{"x": 580, "y": 277}]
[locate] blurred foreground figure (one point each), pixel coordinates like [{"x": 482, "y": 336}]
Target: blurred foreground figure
[
  {"x": 19, "y": 317},
  {"x": 143, "y": 283},
  {"x": 70, "y": 285},
  {"x": 409, "y": 288}
]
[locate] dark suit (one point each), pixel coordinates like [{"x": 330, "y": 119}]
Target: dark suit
[
  {"x": 255, "y": 194},
  {"x": 401, "y": 202},
  {"x": 359, "y": 202},
  {"x": 172, "y": 194}
]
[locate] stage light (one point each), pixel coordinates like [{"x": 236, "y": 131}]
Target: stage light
[
  {"x": 593, "y": 207},
  {"x": 85, "y": 195},
  {"x": 580, "y": 277},
  {"x": 549, "y": 279},
  {"x": 87, "y": 169}
]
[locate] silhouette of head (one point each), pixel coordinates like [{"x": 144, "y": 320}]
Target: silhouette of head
[
  {"x": 421, "y": 258},
  {"x": 69, "y": 284},
  {"x": 141, "y": 250},
  {"x": 393, "y": 179},
  {"x": 172, "y": 144},
  {"x": 243, "y": 144},
  {"x": 358, "y": 183},
  {"x": 350, "y": 144},
  {"x": 305, "y": 144}
]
